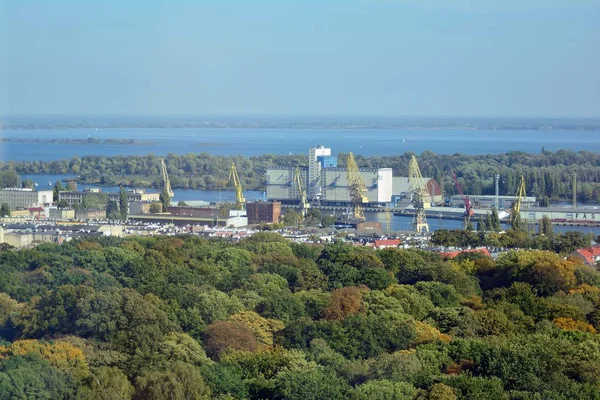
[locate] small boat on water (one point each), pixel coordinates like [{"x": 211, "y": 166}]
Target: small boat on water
[{"x": 49, "y": 183}]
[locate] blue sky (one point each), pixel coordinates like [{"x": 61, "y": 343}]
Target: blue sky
[{"x": 342, "y": 57}]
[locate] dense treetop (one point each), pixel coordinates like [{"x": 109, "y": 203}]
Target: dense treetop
[{"x": 193, "y": 318}]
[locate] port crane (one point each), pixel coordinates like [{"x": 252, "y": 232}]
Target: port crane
[
  {"x": 357, "y": 187},
  {"x": 165, "y": 178},
  {"x": 468, "y": 206},
  {"x": 419, "y": 193},
  {"x": 304, "y": 205},
  {"x": 516, "y": 207},
  {"x": 520, "y": 195},
  {"x": 240, "y": 201}
]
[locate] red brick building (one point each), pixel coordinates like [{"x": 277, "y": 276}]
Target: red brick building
[{"x": 261, "y": 212}]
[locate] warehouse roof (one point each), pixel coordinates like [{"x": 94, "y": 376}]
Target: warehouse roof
[
  {"x": 569, "y": 209},
  {"x": 400, "y": 184}
]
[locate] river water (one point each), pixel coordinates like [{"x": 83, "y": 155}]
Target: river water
[
  {"x": 46, "y": 182},
  {"x": 254, "y": 142}
]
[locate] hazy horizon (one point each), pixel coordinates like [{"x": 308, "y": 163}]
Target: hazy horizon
[{"x": 301, "y": 59}]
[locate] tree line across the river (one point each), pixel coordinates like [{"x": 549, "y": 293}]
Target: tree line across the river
[{"x": 548, "y": 175}]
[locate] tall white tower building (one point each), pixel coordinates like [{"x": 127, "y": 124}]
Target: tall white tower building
[{"x": 314, "y": 170}]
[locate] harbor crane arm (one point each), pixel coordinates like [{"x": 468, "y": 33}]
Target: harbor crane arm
[
  {"x": 239, "y": 193},
  {"x": 468, "y": 206},
  {"x": 357, "y": 187},
  {"x": 520, "y": 195},
  {"x": 301, "y": 192},
  {"x": 419, "y": 194}
]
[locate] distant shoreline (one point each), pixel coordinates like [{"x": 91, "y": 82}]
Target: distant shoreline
[
  {"x": 88, "y": 141},
  {"x": 299, "y": 122},
  {"x": 585, "y": 128}
]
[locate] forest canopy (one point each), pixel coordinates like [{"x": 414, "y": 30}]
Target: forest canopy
[{"x": 188, "y": 317}]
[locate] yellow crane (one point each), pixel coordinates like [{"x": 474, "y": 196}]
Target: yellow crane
[
  {"x": 301, "y": 192},
  {"x": 240, "y": 201},
  {"x": 516, "y": 208},
  {"x": 165, "y": 178},
  {"x": 419, "y": 195},
  {"x": 357, "y": 187}
]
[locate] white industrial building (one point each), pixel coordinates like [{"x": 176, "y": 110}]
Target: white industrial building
[
  {"x": 580, "y": 215},
  {"x": 315, "y": 154},
  {"x": 281, "y": 184},
  {"x": 335, "y": 188},
  {"x": 402, "y": 190},
  {"x": 489, "y": 201},
  {"x": 75, "y": 197},
  {"x": 25, "y": 198},
  {"x": 324, "y": 181}
]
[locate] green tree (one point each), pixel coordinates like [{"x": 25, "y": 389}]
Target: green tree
[
  {"x": 182, "y": 204},
  {"x": 225, "y": 208},
  {"x": 488, "y": 223},
  {"x": 123, "y": 204},
  {"x": 314, "y": 384},
  {"x": 313, "y": 217},
  {"x": 478, "y": 388},
  {"x": 441, "y": 294},
  {"x": 291, "y": 217},
  {"x": 382, "y": 389},
  {"x": 469, "y": 226},
  {"x": 181, "y": 382},
  {"x": 480, "y": 224},
  {"x": 4, "y": 210},
  {"x": 93, "y": 201},
  {"x": 27, "y": 183},
  {"x": 495, "y": 221},
  {"x": 58, "y": 187},
  {"x": 30, "y": 377},
  {"x": 156, "y": 207},
  {"x": 177, "y": 346},
  {"x": 328, "y": 220},
  {"x": 439, "y": 391},
  {"x": 106, "y": 383},
  {"x": 112, "y": 210},
  {"x": 411, "y": 300},
  {"x": 9, "y": 179},
  {"x": 131, "y": 322},
  {"x": 545, "y": 227},
  {"x": 165, "y": 199}
]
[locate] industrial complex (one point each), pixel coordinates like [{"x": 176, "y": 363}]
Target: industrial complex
[
  {"x": 321, "y": 183},
  {"x": 328, "y": 185}
]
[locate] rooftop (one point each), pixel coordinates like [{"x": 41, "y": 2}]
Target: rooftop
[
  {"x": 590, "y": 254},
  {"x": 453, "y": 254},
  {"x": 567, "y": 209},
  {"x": 18, "y": 189}
]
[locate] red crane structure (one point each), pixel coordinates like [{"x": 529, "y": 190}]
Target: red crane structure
[{"x": 468, "y": 206}]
